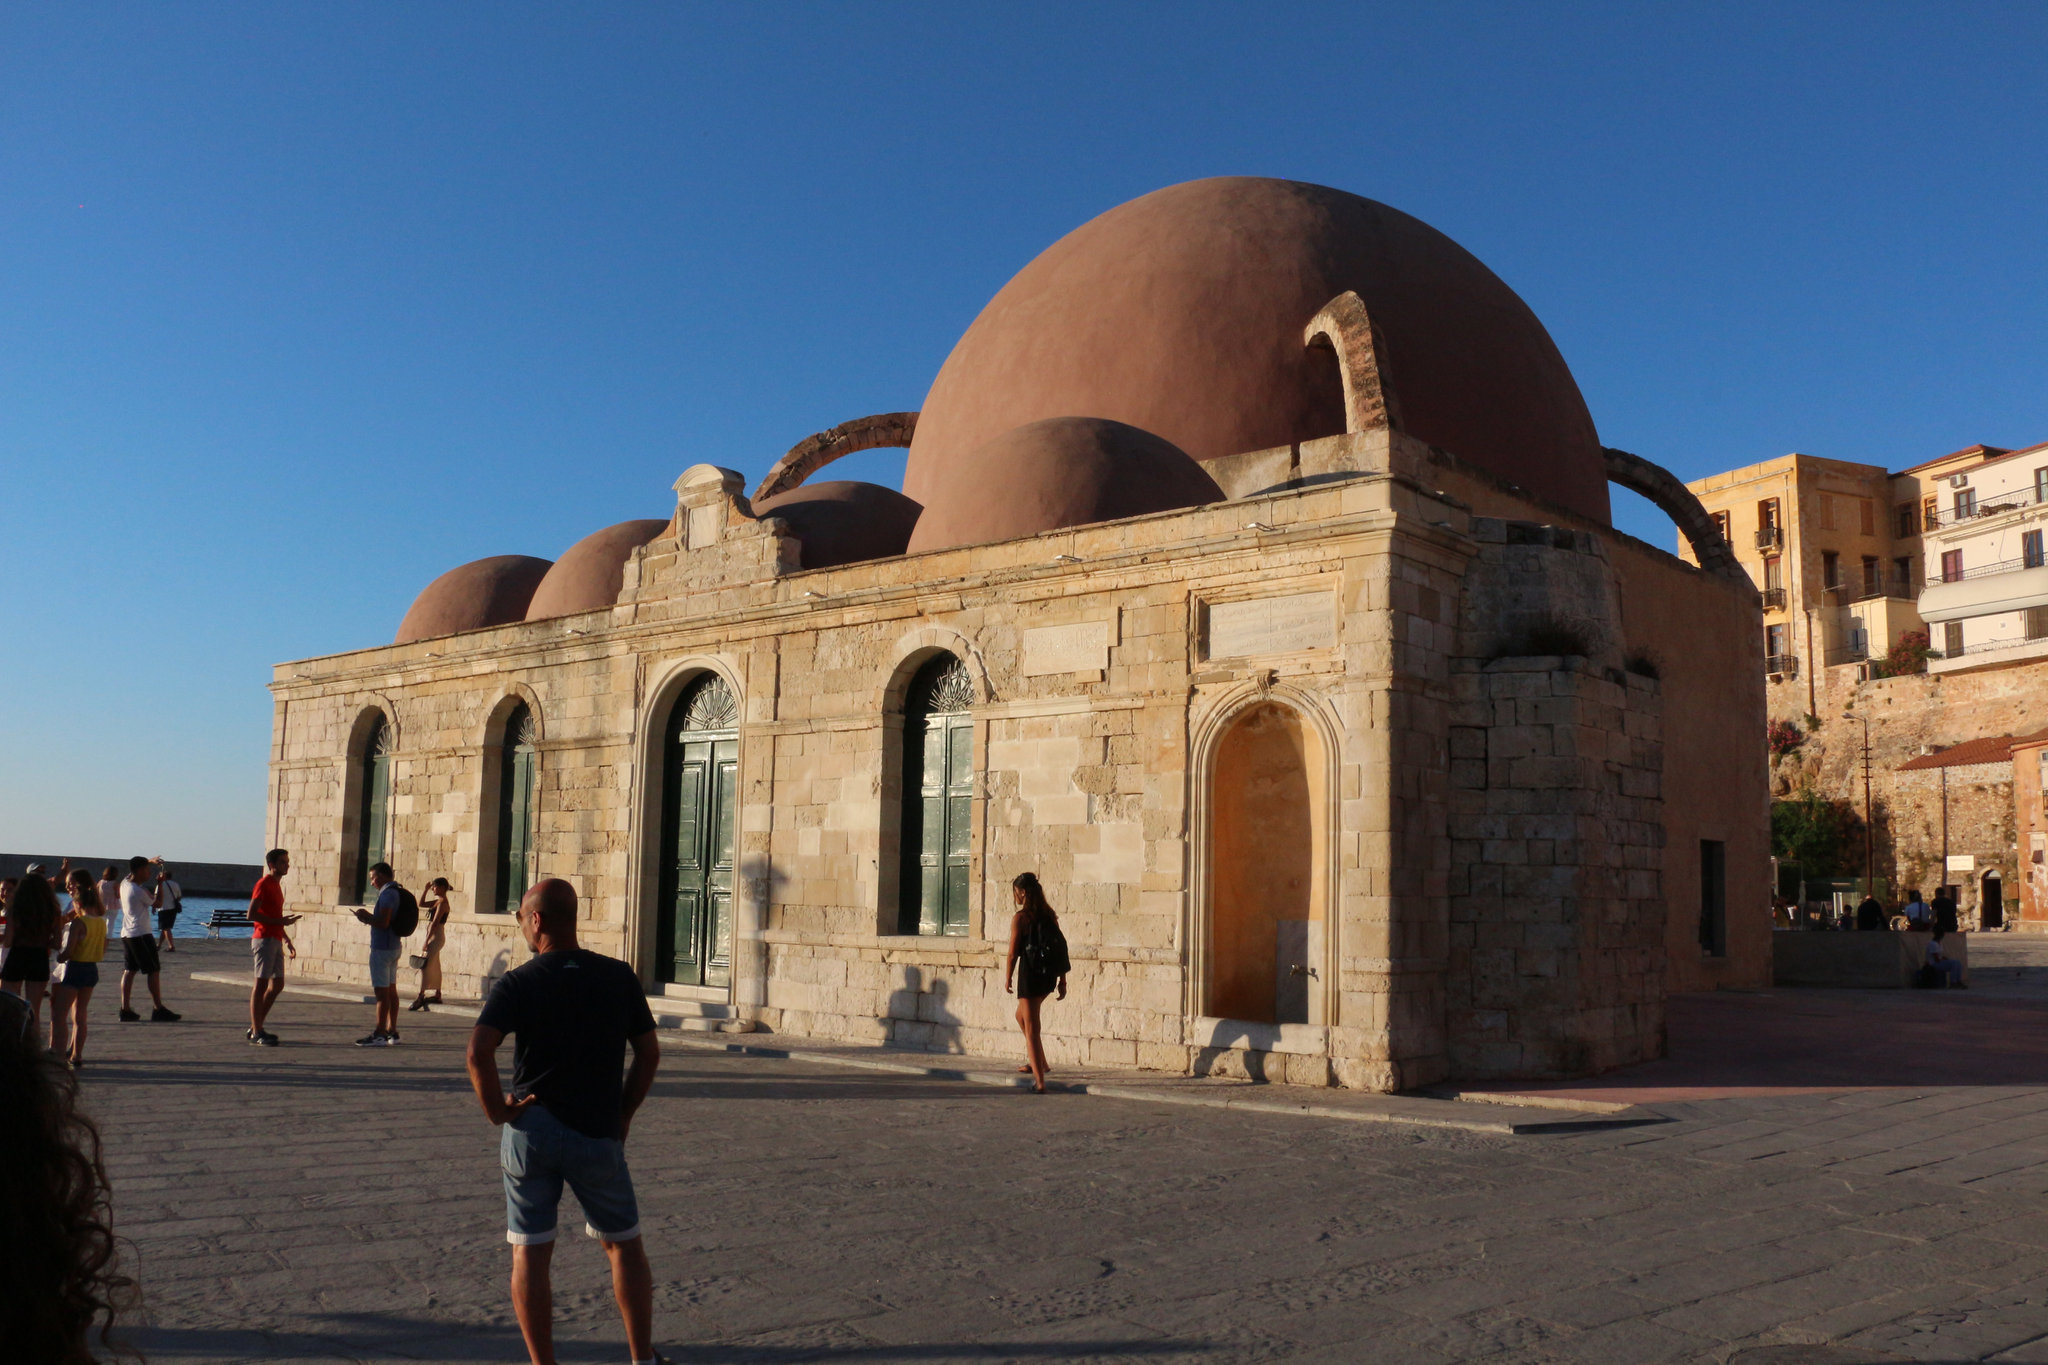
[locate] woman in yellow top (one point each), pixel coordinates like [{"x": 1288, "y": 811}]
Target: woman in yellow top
[{"x": 81, "y": 944}]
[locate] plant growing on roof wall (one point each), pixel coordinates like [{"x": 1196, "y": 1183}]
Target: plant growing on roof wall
[
  {"x": 1908, "y": 656},
  {"x": 1783, "y": 737}
]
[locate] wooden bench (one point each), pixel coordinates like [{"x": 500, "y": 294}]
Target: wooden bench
[{"x": 227, "y": 919}]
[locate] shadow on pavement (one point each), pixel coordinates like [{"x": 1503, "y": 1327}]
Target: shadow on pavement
[
  {"x": 1788, "y": 1041},
  {"x": 371, "y": 1336},
  {"x": 288, "y": 1077},
  {"x": 269, "y": 1071}
]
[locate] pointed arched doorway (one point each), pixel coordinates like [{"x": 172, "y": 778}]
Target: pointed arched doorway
[
  {"x": 699, "y": 795},
  {"x": 1266, "y": 921}
]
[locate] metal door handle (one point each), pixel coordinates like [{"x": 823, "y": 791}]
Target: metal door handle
[{"x": 1298, "y": 969}]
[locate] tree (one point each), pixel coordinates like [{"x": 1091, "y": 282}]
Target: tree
[{"x": 1824, "y": 837}]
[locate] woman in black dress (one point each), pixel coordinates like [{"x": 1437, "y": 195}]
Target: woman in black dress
[
  {"x": 25, "y": 944},
  {"x": 1038, "y": 946}
]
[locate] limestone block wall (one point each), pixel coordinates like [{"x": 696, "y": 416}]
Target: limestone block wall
[
  {"x": 1557, "y": 906},
  {"x": 444, "y": 726},
  {"x": 1107, "y": 662},
  {"x": 2026, "y": 895},
  {"x": 1703, "y": 638}
]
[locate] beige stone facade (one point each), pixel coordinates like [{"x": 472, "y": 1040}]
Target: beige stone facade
[{"x": 1515, "y": 763}]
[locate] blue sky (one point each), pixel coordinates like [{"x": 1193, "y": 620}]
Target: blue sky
[{"x": 301, "y": 305}]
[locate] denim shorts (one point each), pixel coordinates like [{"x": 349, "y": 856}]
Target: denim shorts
[
  {"x": 384, "y": 966},
  {"x": 78, "y": 976},
  {"x": 539, "y": 1152}
]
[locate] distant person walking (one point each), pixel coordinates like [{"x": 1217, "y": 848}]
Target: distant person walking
[
  {"x": 574, "y": 1014},
  {"x": 1040, "y": 949},
  {"x": 428, "y": 959},
  {"x": 25, "y": 943},
  {"x": 109, "y": 887},
  {"x": 1944, "y": 910},
  {"x": 170, "y": 899},
  {"x": 267, "y": 944},
  {"x": 81, "y": 947},
  {"x": 387, "y": 940},
  {"x": 137, "y": 892}
]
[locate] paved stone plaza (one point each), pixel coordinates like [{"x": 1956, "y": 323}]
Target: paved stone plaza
[{"x": 318, "y": 1202}]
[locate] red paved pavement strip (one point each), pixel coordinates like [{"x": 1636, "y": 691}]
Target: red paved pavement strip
[{"x": 1731, "y": 1044}]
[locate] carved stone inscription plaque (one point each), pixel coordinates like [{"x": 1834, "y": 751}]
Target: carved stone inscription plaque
[
  {"x": 1079, "y": 648},
  {"x": 1269, "y": 625}
]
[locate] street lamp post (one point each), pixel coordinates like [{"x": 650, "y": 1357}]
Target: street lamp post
[{"x": 1869, "y": 830}]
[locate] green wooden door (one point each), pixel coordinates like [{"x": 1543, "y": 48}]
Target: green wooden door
[
  {"x": 373, "y": 814},
  {"x": 700, "y": 789},
  {"x": 938, "y": 811}
]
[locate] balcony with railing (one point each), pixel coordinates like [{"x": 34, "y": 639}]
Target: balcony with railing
[
  {"x": 1894, "y": 584},
  {"x": 1985, "y": 590},
  {"x": 1867, "y": 589},
  {"x": 1782, "y": 665},
  {"x": 1978, "y": 653},
  {"x": 1974, "y": 510},
  {"x": 1846, "y": 654},
  {"x": 1774, "y": 599},
  {"x": 1769, "y": 538},
  {"x": 1989, "y": 570}
]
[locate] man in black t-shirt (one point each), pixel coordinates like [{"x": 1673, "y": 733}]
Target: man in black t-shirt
[{"x": 574, "y": 1013}]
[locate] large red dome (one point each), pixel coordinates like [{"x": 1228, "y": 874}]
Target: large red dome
[{"x": 1182, "y": 313}]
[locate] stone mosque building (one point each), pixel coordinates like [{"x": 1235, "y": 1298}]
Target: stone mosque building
[{"x": 1252, "y": 582}]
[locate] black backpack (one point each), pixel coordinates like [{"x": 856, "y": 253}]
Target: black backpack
[
  {"x": 406, "y": 917},
  {"x": 1046, "y": 948}
]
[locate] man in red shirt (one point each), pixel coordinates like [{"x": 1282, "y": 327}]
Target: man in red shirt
[{"x": 266, "y": 947}]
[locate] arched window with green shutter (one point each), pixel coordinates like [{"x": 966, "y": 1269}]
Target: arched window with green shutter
[
  {"x": 373, "y": 810},
  {"x": 517, "y": 801},
  {"x": 938, "y": 798}
]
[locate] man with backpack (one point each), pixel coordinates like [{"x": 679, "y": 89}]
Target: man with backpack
[{"x": 395, "y": 914}]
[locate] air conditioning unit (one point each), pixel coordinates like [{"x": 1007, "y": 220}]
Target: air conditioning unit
[{"x": 1959, "y": 481}]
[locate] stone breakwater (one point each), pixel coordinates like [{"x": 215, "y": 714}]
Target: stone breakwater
[{"x": 197, "y": 879}]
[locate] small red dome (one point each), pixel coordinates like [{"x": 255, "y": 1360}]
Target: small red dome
[
  {"x": 1064, "y": 471},
  {"x": 588, "y": 575},
  {"x": 1182, "y": 313},
  {"x": 483, "y": 592},
  {"x": 843, "y": 521}
]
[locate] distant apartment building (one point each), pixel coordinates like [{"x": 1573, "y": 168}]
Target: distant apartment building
[
  {"x": 1850, "y": 558},
  {"x": 1839, "y": 570},
  {"x": 1982, "y": 515}
]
